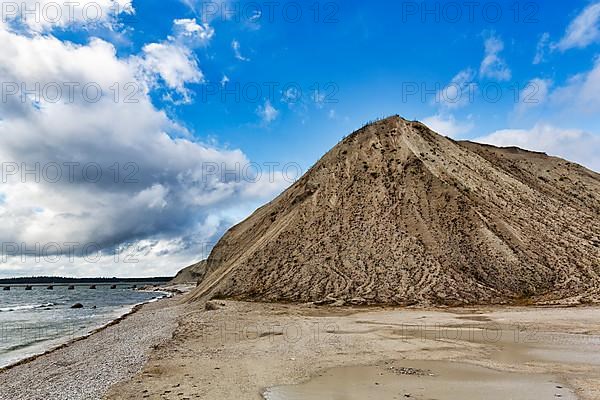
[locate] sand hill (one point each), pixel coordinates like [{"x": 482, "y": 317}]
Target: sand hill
[
  {"x": 192, "y": 274},
  {"x": 397, "y": 214}
]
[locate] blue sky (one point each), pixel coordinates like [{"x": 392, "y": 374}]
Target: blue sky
[
  {"x": 370, "y": 56},
  {"x": 242, "y": 83}
]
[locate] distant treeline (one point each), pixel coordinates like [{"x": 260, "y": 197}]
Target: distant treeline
[{"x": 60, "y": 279}]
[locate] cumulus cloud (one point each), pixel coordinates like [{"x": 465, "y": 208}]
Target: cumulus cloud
[
  {"x": 149, "y": 183},
  {"x": 171, "y": 63},
  {"x": 447, "y": 125},
  {"x": 571, "y": 144},
  {"x": 45, "y": 15},
  {"x": 190, "y": 29},
  {"x": 583, "y": 30},
  {"x": 493, "y": 66}
]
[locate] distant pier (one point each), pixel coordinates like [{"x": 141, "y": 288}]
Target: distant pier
[
  {"x": 21, "y": 284},
  {"x": 71, "y": 286}
]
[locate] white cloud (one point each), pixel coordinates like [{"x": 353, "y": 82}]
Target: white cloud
[
  {"x": 581, "y": 93},
  {"x": 447, "y": 125},
  {"x": 583, "y": 30},
  {"x": 541, "y": 48},
  {"x": 177, "y": 187},
  {"x": 493, "y": 66},
  {"x": 172, "y": 63},
  {"x": 534, "y": 94},
  {"x": 190, "y": 29},
  {"x": 45, "y": 15},
  {"x": 235, "y": 45},
  {"x": 460, "y": 91},
  {"x": 574, "y": 100},
  {"x": 255, "y": 17},
  {"x": 267, "y": 112},
  {"x": 571, "y": 144},
  {"x": 225, "y": 80}
]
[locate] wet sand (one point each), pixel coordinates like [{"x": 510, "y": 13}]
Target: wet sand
[
  {"x": 430, "y": 380},
  {"x": 244, "y": 350}
]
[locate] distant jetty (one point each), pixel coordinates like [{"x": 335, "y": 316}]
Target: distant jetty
[
  {"x": 58, "y": 280},
  {"x": 56, "y": 283}
]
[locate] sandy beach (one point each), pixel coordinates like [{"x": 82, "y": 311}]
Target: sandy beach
[
  {"x": 241, "y": 350},
  {"x": 172, "y": 350}
]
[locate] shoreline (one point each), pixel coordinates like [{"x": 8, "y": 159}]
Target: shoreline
[
  {"x": 69, "y": 342},
  {"x": 87, "y": 366},
  {"x": 132, "y": 310}
]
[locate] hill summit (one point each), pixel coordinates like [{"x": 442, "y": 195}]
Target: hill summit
[{"x": 398, "y": 214}]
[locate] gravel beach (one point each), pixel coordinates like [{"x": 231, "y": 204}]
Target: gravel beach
[{"x": 85, "y": 369}]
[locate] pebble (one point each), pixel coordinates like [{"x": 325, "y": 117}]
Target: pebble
[{"x": 86, "y": 369}]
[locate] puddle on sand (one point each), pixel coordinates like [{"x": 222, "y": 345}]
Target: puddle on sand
[
  {"x": 450, "y": 381},
  {"x": 511, "y": 346}
]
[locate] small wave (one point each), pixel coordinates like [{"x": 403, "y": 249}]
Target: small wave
[
  {"x": 27, "y": 343},
  {"x": 26, "y": 307},
  {"x": 163, "y": 295}
]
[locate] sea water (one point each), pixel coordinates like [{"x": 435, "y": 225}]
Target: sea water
[{"x": 34, "y": 321}]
